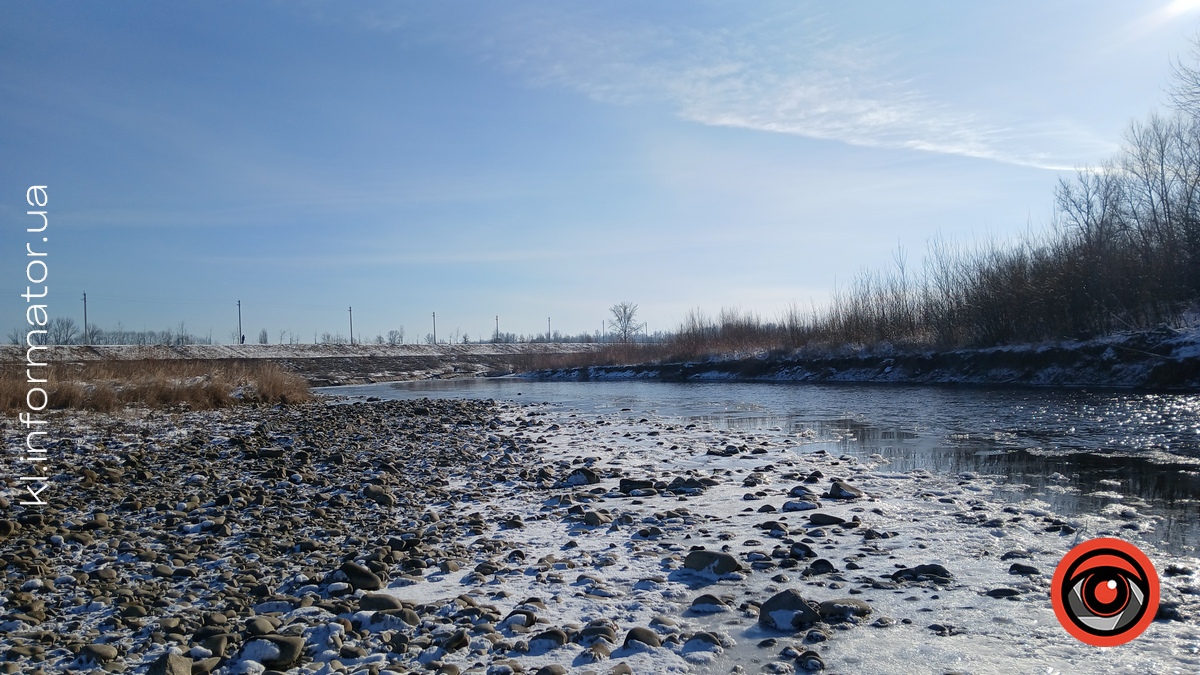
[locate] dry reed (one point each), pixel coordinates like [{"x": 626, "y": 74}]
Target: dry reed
[{"x": 106, "y": 386}]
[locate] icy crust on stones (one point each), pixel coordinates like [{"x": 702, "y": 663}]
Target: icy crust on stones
[{"x": 474, "y": 536}]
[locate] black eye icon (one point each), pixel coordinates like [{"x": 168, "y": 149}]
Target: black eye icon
[{"x": 1106, "y": 593}]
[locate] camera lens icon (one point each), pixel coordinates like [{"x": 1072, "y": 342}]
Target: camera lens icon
[{"x": 1105, "y": 592}]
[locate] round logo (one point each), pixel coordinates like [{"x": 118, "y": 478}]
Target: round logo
[{"x": 1105, "y": 592}]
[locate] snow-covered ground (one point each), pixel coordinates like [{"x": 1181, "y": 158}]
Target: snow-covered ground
[
  {"x": 519, "y": 538},
  {"x": 630, "y": 574}
]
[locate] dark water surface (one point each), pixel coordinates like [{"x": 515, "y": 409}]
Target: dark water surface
[{"x": 1042, "y": 440}]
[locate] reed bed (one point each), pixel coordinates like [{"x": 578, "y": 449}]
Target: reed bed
[{"x": 106, "y": 386}]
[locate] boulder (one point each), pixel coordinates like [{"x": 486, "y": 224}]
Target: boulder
[
  {"x": 787, "y": 611},
  {"x": 713, "y": 562}
]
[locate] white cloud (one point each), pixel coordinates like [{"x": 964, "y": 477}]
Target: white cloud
[{"x": 786, "y": 74}]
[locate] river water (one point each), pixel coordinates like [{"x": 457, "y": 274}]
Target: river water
[{"x": 1078, "y": 450}]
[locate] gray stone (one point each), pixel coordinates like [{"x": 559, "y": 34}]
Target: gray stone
[
  {"x": 642, "y": 635},
  {"x": 259, "y": 626},
  {"x": 291, "y": 647},
  {"x": 553, "y": 638},
  {"x": 787, "y": 611},
  {"x": 379, "y": 494},
  {"x": 932, "y": 572},
  {"x": 100, "y": 653},
  {"x": 708, "y": 603},
  {"x": 457, "y": 641},
  {"x": 596, "y": 519},
  {"x": 360, "y": 577},
  {"x": 842, "y": 490},
  {"x": 378, "y": 601},
  {"x": 825, "y": 519},
  {"x": 844, "y": 607},
  {"x": 714, "y": 562},
  {"x": 582, "y": 476},
  {"x": 171, "y": 664}
]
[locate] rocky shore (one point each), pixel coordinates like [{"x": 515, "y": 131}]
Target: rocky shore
[{"x": 465, "y": 536}]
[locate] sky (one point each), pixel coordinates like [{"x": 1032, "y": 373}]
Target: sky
[{"x": 537, "y": 161}]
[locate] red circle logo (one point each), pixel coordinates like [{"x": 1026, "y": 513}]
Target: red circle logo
[{"x": 1105, "y": 592}]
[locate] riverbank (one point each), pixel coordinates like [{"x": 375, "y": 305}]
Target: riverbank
[
  {"x": 1165, "y": 360},
  {"x": 327, "y": 365},
  {"x": 474, "y": 536}
]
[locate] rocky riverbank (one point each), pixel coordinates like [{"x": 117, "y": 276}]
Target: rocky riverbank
[{"x": 484, "y": 537}]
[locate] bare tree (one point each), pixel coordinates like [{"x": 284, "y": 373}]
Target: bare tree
[
  {"x": 1185, "y": 94},
  {"x": 62, "y": 330},
  {"x": 624, "y": 323},
  {"x": 395, "y": 337},
  {"x": 262, "y": 336}
]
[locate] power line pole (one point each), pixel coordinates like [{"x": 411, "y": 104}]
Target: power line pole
[
  {"x": 86, "y": 341},
  {"x": 497, "y": 338},
  {"x": 352, "y": 326},
  {"x": 435, "y": 328},
  {"x": 547, "y": 329},
  {"x": 241, "y": 335}
]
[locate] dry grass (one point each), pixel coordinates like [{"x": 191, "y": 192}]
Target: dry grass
[{"x": 111, "y": 385}]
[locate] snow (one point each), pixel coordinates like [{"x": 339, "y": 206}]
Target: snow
[{"x": 613, "y": 574}]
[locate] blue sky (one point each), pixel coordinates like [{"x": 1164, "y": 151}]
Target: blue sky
[{"x": 534, "y": 160}]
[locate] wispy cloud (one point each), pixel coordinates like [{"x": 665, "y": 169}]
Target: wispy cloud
[{"x": 786, "y": 74}]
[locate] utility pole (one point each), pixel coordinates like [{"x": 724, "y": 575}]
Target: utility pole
[
  {"x": 497, "y": 338},
  {"x": 547, "y": 329},
  {"x": 86, "y": 341},
  {"x": 240, "y": 333},
  {"x": 602, "y": 330},
  {"x": 352, "y": 326},
  {"x": 435, "y": 328}
]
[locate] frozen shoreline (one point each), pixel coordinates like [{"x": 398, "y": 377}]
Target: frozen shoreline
[
  {"x": 1166, "y": 359},
  {"x": 498, "y": 505}
]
